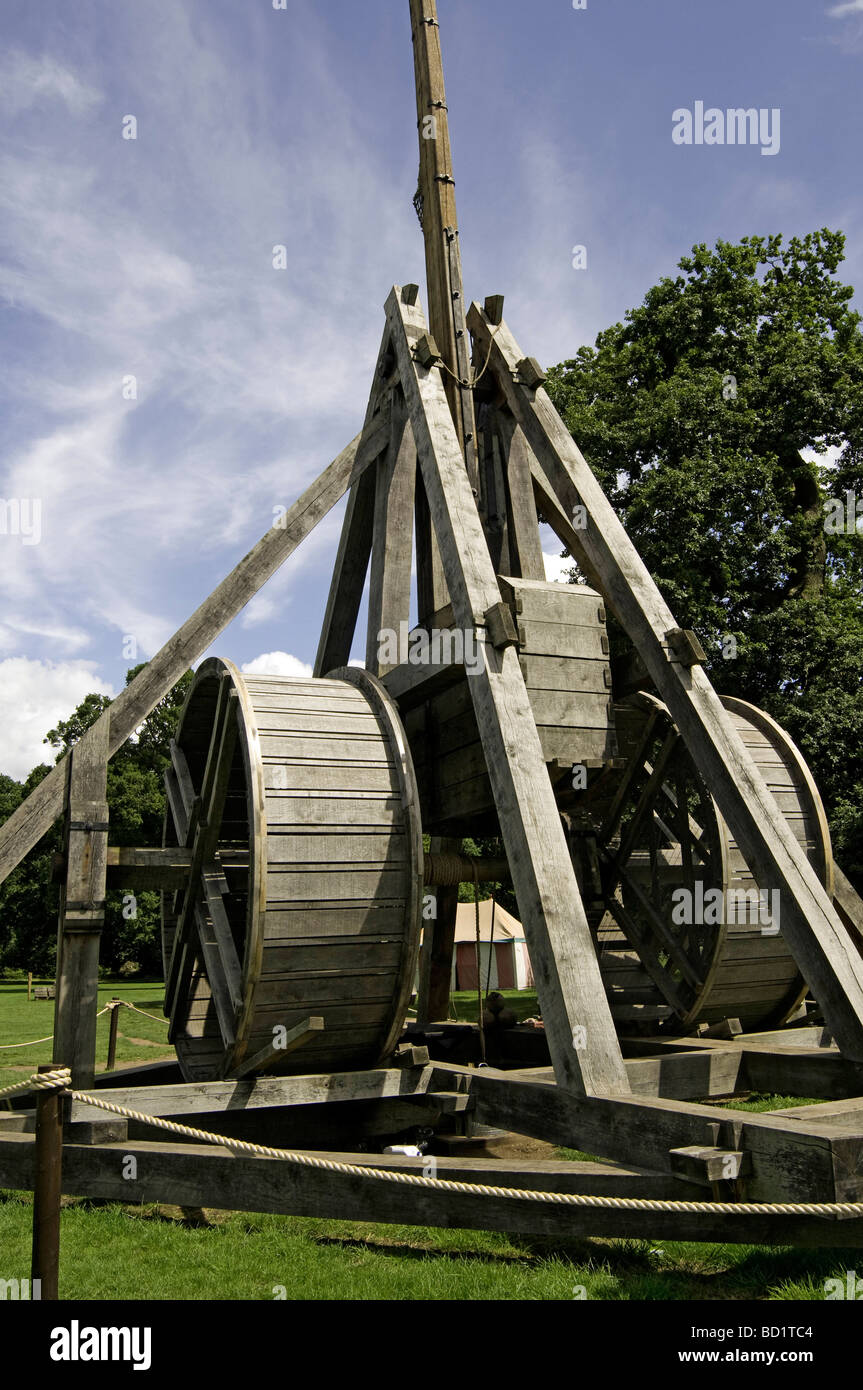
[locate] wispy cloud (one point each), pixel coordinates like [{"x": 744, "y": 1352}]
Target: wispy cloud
[
  {"x": 846, "y": 8},
  {"x": 28, "y": 79}
]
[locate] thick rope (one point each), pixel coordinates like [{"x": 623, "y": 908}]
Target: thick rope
[
  {"x": 61, "y": 1078},
  {"x": 41, "y": 1081},
  {"x": 164, "y": 1021},
  {"x": 822, "y": 1209},
  {"x": 6, "y": 1047}
]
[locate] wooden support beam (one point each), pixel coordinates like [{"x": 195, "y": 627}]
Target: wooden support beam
[
  {"x": 261, "y": 1092},
  {"x": 822, "y": 947},
  {"x": 524, "y": 540},
  {"x": 28, "y": 823},
  {"x": 390, "y": 575},
  {"x": 579, "y": 1026},
  {"x": 273, "y": 1052},
  {"x": 82, "y": 905},
  {"x": 790, "y": 1160},
  {"x": 349, "y": 577},
  {"x": 440, "y": 227},
  {"x": 355, "y": 541},
  {"x": 438, "y": 943},
  {"x": 205, "y": 1175}
]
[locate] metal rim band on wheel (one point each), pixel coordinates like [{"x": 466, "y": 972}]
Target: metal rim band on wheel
[
  {"x": 316, "y": 878},
  {"x": 734, "y": 962}
]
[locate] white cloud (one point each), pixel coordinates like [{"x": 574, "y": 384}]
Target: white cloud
[
  {"x": 276, "y": 664},
  {"x": 34, "y": 695},
  {"x": 848, "y": 7},
  {"x": 27, "y": 80},
  {"x": 557, "y": 568}
]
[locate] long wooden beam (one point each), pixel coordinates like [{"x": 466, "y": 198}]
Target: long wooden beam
[
  {"x": 579, "y": 1026},
  {"x": 202, "y": 1175},
  {"x": 821, "y": 945},
  {"x": 28, "y": 823}
]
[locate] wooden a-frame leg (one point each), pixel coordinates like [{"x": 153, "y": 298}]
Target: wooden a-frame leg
[
  {"x": 355, "y": 542},
  {"x": 578, "y": 1022},
  {"x": 390, "y": 576},
  {"x": 821, "y": 946},
  {"x": 82, "y": 906}
]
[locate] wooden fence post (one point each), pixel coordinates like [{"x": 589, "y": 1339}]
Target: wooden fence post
[
  {"x": 112, "y": 1033},
  {"x": 48, "y": 1159}
]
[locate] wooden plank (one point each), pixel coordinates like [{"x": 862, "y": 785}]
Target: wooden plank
[
  {"x": 201, "y": 1175},
  {"x": 790, "y": 1161},
  {"x": 438, "y": 944},
  {"x": 131, "y": 867},
  {"x": 392, "y": 548},
  {"x": 349, "y": 577},
  {"x": 265, "y": 1092},
  {"x": 440, "y": 226},
  {"x": 581, "y": 1033},
  {"x": 273, "y": 1052},
  {"x": 82, "y": 905},
  {"x": 822, "y": 947},
  {"x": 37, "y": 813},
  {"x": 523, "y": 521}
]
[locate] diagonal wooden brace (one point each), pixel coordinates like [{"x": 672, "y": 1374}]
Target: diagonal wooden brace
[
  {"x": 821, "y": 945},
  {"x": 579, "y": 1026}
]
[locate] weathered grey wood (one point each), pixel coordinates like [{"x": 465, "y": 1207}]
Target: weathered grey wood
[
  {"x": 578, "y": 1022},
  {"x": 82, "y": 905},
  {"x": 355, "y": 541},
  {"x": 790, "y": 1161},
  {"x": 33, "y": 817},
  {"x": 265, "y": 1092},
  {"x": 440, "y": 226},
  {"x": 349, "y": 575},
  {"x": 848, "y": 904},
  {"x": 524, "y": 525},
  {"x": 294, "y": 1038},
  {"x": 390, "y": 575},
  {"x": 821, "y": 945},
  {"x": 199, "y": 1175},
  {"x": 131, "y": 867},
  {"x": 438, "y": 944}
]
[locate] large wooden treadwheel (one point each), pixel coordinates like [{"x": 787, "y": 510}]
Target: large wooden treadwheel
[
  {"x": 298, "y": 804},
  {"x": 685, "y": 935}
]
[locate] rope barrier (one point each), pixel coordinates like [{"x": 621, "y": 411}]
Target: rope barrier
[
  {"x": 829, "y": 1210},
  {"x": 113, "y": 1004}
]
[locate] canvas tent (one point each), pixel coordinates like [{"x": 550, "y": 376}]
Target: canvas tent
[{"x": 501, "y": 937}]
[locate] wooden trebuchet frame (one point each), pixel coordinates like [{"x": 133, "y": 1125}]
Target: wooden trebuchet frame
[{"x": 824, "y": 951}]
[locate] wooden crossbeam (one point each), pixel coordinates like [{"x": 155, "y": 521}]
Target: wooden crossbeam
[
  {"x": 821, "y": 946},
  {"x": 579, "y": 1026},
  {"x": 38, "y": 812}
]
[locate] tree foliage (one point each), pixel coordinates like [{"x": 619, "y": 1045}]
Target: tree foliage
[
  {"x": 29, "y": 901},
  {"x": 708, "y": 416}
]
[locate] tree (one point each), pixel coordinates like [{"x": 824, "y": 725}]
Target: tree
[
  {"x": 722, "y": 418},
  {"x": 29, "y": 901}
]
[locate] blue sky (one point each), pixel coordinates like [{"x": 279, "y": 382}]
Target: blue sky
[{"x": 152, "y": 258}]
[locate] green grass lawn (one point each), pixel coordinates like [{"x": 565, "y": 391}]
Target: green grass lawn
[
  {"x": 139, "y": 1039},
  {"x": 139, "y": 1253},
  {"x": 523, "y": 1002}
]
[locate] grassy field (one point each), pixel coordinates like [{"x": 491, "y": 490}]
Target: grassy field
[
  {"x": 140, "y": 1253},
  {"x": 139, "y": 1039}
]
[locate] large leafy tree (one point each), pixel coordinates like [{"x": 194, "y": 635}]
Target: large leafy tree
[
  {"x": 29, "y": 900},
  {"x": 722, "y": 417}
]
